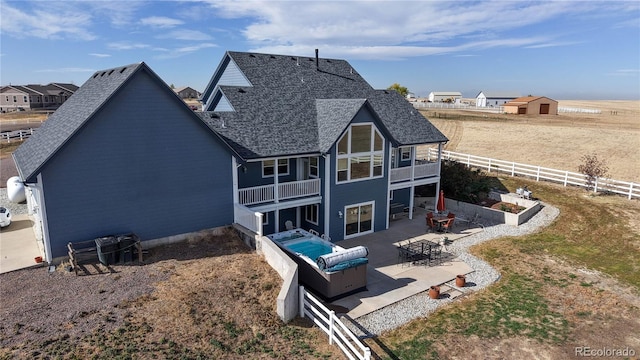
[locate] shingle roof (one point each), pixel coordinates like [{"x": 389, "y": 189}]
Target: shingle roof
[
  {"x": 69, "y": 118},
  {"x": 295, "y": 107}
]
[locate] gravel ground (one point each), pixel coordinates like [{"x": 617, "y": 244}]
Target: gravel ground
[
  {"x": 15, "y": 209},
  {"x": 421, "y": 305}
]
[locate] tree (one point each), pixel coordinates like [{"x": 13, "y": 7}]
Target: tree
[
  {"x": 400, "y": 89},
  {"x": 592, "y": 168}
]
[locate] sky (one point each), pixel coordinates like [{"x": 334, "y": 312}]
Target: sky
[{"x": 560, "y": 49}]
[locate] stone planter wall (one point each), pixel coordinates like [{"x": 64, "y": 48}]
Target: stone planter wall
[{"x": 495, "y": 216}]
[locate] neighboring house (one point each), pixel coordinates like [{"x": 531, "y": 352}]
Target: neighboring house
[
  {"x": 35, "y": 97},
  {"x": 280, "y": 138},
  {"x": 107, "y": 163},
  {"x": 491, "y": 99},
  {"x": 186, "y": 92},
  {"x": 320, "y": 147},
  {"x": 531, "y": 105},
  {"x": 444, "y": 96}
]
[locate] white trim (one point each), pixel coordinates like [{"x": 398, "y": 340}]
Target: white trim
[
  {"x": 46, "y": 239},
  {"x": 287, "y": 204},
  {"x": 373, "y": 218},
  {"x": 265, "y": 219},
  {"x": 317, "y": 166},
  {"x": 390, "y": 151},
  {"x": 234, "y": 177},
  {"x": 327, "y": 191}
]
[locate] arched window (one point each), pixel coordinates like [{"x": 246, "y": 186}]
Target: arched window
[{"x": 360, "y": 153}]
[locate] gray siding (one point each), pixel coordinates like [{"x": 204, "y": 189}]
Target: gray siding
[
  {"x": 233, "y": 76},
  {"x": 143, "y": 164},
  {"x": 222, "y": 104}
]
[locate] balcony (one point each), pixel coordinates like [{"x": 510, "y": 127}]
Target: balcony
[
  {"x": 421, "y": 171},
  {"x": 288, "y": 190}
]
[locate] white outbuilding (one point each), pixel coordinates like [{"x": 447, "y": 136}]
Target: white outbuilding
[
  {"x": 445, "y": 96},
  {"x": 494, "y": 99}
]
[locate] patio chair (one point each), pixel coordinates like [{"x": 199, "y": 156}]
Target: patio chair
[
  {"x": 288, "y": 225},
  {"x": 430, "y": 223},
  {"x": 448, "y": 225}
]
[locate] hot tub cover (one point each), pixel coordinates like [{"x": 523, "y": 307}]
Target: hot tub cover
[{"x": 332, "y": 259}]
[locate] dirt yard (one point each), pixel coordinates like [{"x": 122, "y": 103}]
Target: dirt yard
[{"x": 553, "y": 141}]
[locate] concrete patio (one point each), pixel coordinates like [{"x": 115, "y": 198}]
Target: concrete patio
[
  {"x": 389, "y": 281},
  {"x": 18, "y": 245}
]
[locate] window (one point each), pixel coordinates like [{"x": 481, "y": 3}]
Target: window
[
  {"x": 405, "y": 153},
  {"x": 358, "y": 219},
  {"x": 313, "y": 167},
  {"x": 311, "y": 213},
  {"x": 15, "y": 99},
  {"x": 268, "y": 167},
  {"x": 24, "y": 99},
  {"x": 360, "y": 153}
]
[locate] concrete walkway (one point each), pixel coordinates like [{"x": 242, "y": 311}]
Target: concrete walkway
[
  {"x": 18, "y": 245},
  {"x": 387, "y": 280}
]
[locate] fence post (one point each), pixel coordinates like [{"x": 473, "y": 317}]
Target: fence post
[
  {"x": 489, "y": 167},
  {"x": 367, "y": 353},
  {"x": 595, "y": 186},
  {"x": 332, "y": 315},
  {"x": 468, "y": 160},
  {"x": 538, "y": 174},
  {"x": 513, "y": 169},
  {"x": 630, "y": 190},
  {"x": 566, "y": 177},
  {"x": 301, "y": 298}
]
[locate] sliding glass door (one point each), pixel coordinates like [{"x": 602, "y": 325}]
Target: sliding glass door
[{"x": 358, "y": 219}]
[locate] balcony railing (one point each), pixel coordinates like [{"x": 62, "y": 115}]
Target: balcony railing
[
  {"x": 288, "y": 190},
  {"x": 421, "y": 171}
]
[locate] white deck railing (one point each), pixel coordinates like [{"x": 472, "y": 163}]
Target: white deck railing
[
  {"x": 287, "y": 190},
  {"x": 327, "y": 320},
  {"x": 421, "y": 171},
  {"x": 248, "y": 218}
]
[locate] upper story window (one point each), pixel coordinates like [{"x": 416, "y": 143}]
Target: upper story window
[
  {"x": 313, "y": 167},
  {"x": 24, "y": 99},
  {"x": 360, "y": 153},
  {"x": 405, "y": 153},
  {"x": 268, "y": 167}
]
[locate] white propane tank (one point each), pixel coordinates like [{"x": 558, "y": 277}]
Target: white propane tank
[{"x": 15, "y": 190}]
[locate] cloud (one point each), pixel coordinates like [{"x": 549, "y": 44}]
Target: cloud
[
  {"x": 392, "y": 29},
  {"x": 127, "y": 45},
  {"x": 160, "y": 22},
  {"x": 185, "y": 50},
  {"x": 625, "y": 72},
  {"x": 552, "y": 44},
  {"x": 50, "y": 20},
  {"x": 99, "y": 55},
  {"x": 187, "y": 35}
]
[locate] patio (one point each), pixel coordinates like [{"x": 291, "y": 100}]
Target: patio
[{"x": 389, "y": 281}]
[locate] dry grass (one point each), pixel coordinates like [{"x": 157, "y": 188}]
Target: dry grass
[
  {"x": 207, "y": 298},
  {"x": 556, "y": 142}
]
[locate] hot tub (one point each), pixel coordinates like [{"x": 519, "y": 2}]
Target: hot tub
[{"x": 328, "y": 269}]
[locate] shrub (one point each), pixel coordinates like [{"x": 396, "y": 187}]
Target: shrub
[
  {"x": 592, "y": 168},
  {"x": 462, "y": 183}
]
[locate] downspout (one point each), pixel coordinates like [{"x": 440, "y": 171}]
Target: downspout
[
  {"x": 413, "y": 175},
  {"x": 435, "y": 203},
  {"x": 46, "y": 239},
  {"x": 388, "y": 183},
  {"x": 327, "y": 189}
]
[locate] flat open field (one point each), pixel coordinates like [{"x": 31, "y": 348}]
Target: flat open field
[{"x": 550, "y": 141}]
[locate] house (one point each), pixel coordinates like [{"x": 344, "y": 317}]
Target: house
[
  {"x": 280, "y": 138},
  {"x": 491, "y": 99},
  {"x": 34, "y": 97},
  {"x": 317, "y": 145},
  {"x": 186, "y": 92},
  {"x": 124, "y": 154},
  {"x": 532, "y": 105},
  {"x": 444, "y": 96}
]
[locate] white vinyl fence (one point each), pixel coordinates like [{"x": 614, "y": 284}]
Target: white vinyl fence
[
  {"x": 326, "y": 320},
  {"x": 17, "y": 135},
  {"x": 629, "y": 189}
]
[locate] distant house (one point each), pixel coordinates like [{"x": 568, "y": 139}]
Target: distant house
[
  {"x": 186, "y": 92},
  {"x": 35, "y": 97},
  {"x": 491, "y": 99},
  {"x": 444, "y": 96},
  {"x": 531, "y": 105}
]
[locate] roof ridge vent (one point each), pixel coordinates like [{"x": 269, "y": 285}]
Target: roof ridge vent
[{"x": 298, "y": 61}]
